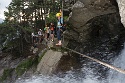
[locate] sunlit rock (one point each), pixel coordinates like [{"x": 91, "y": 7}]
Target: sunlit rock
[
  {"x": 78, "y": 4},
  {"x": 121, "y": 5}
]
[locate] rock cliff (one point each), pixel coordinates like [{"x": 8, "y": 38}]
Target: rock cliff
[{"x": 93, "y": 23}]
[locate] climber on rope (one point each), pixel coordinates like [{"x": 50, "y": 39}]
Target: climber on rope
[{"x": 59, "y": 27}]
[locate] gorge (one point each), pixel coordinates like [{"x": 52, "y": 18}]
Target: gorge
[{"x": 95, "y": 28}]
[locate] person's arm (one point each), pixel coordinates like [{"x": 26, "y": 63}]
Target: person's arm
[
  {"x": 45, "y": 29},
  {"x": 61, "y": 19},
  {"x": 32, "y": 34}
]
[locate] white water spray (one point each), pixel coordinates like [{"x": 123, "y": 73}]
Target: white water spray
[
  {"x": 116, "y": 77},
  {"x": 90, "y": 77}
]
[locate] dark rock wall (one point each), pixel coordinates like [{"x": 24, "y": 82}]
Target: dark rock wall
[{"x": 93, "y": 22}]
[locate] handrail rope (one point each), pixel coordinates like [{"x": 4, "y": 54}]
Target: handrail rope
[{"x": 98, "y": 61}]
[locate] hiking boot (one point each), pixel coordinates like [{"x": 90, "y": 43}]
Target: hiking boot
[{"x": 59, "y": 44}]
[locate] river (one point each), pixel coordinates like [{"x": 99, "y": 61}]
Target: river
[{"x": 90, "y": 72}]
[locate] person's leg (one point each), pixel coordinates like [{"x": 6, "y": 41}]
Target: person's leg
[
  {"x": 59, "y": 37},
  {"x": 58, "y": 34},
  {"x": 45, "y": 35},
  {"x": 48, "y": 36},
  {"x": 40, "y": 38},
  {"x": 34, "y": 40},
  {"x": 52, "y": 35}
]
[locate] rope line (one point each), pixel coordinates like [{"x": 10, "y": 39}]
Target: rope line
[{"x": 98, "y": 61}]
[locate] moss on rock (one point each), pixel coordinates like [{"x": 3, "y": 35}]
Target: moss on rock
[
  {"x": 6, "y": 73},
  {"x": 25, "y": 65},
  {"x": 39, "y": 59}
]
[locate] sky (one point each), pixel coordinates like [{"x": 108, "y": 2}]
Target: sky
[{"x": 3, "y": 5}]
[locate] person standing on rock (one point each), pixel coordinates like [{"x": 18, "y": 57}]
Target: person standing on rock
[
  {"x": 46, "y": 29},
  {"x": 59, "y": 26},
  {"x": 40, "y": 35},
  {"x": 52, "y": 31}
]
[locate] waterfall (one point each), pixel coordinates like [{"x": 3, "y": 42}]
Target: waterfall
[
  {"x": 116, "y": 77},
  {"x": 85, "y": 74}
]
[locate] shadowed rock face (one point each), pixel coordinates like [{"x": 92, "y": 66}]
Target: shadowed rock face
[
  {"x": 83, "y": 12},
  {"x": 93, "y": 21}
]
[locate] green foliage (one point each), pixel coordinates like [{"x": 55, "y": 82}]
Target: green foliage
[
  {"x": 51, "y": 18},
  {"x": 7, "y": 33},
  {"x": 26, "y": 29},
  {"x": 6, "y": 73},
  {"x": 25, "y": 65},
  {"x": 65, "y": 18},
  {"x": 22, "y": 18}
]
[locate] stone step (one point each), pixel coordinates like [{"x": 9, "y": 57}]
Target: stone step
[{"x": 49, "y": 62}]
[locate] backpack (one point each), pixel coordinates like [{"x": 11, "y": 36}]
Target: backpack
[{"x": 52, "y": 27}]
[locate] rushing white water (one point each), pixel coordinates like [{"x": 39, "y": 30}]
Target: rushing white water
[
  {"x": 85, "y": 75},
  {"x": 116, "y": 77},
  {"x": 69, "y": 78}
]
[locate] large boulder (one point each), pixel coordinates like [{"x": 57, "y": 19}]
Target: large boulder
[
  {"x": 91, "y": 22},
  {"x": 83, "y": 12}
]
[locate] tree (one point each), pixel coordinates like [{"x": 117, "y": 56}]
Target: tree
[{"x": 22, "y": 16}]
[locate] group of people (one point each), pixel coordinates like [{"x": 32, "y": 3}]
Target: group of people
[
  {"x": 48, "y": 34},
  {"x": 49, "y": 31},
  {"x": 37, "y": 36}
]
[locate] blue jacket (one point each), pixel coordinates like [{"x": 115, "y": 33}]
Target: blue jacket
[{"x": 60, "y": 22}]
